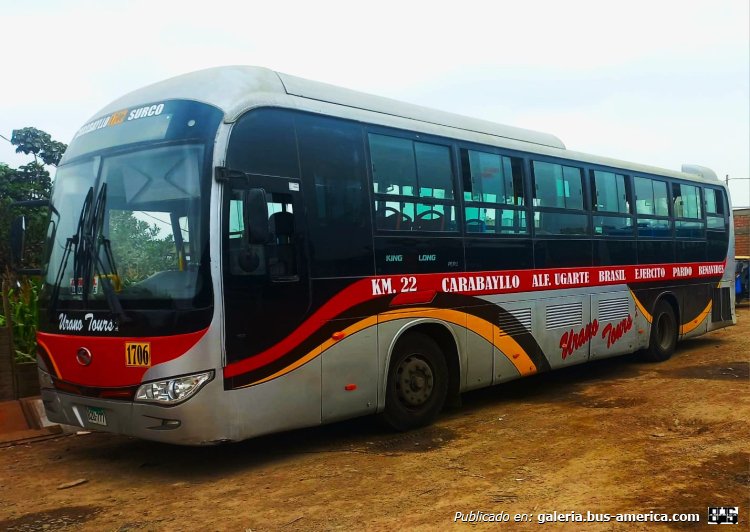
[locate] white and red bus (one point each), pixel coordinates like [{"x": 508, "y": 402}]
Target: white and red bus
[{"x": 236, "y": 251}]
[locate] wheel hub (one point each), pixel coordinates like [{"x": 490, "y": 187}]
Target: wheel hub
[{"x": 415, "y": 381}]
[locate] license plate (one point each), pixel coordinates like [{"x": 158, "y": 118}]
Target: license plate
[{"x": 96, "y": 416}]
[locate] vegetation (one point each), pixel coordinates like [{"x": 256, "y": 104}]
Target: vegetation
[
  {"x": 22, "y": 299},
  {"x": 138, "y": 248},
  {"x": 27, "y": 182},
  {"x": 31, "y": 181}
]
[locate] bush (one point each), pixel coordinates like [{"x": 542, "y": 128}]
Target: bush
[{"x": 23, "y": 299}]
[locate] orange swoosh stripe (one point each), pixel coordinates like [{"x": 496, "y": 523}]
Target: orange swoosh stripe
[
  {"x": 646, "y": 313},
  {"x": 506, "y": 344},
  {"x": 692, "y": 324},
  {"x": 49, "y": 354}
]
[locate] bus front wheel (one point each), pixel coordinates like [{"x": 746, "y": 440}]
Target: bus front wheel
[
  {"x": 663, "y": 338},
  {"x": 417, "y": 383}
]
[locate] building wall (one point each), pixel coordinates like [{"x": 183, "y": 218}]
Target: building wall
[
  {"x": 742, "y": 231},
  {"x": 7, "y": 391}
]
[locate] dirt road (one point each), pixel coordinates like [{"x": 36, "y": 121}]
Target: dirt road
[{"x": 610, "y": 437}]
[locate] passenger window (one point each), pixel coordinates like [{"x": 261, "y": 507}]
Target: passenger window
[
  {"x": 411, "y": 216},
  {"x": 686, "y": 200},
  {"x": 557, "y": 186},
  {"x": 610, "y": 192},
  {"x": 558, "y": 223},
  {"x": 434, "y": 170},
  {"x": 493, "y": 193},
  {"x": 613, "y": 225},
  {"x": 688, "y": 211},
  {"x": 334, "y": 177},
  {"x": 413, "y": 185},
  {"x": 486, "y": 219},
  {"x": 651, "y": 197},
  {"x": 714, "y": 209},
  {"x": 652, "y": 207},
  {"x": 492, "y": 178},
  {"x": 394, "y": 170},
  {"x": 333, "y": 168},
  {"x": 712, "y": 206}
]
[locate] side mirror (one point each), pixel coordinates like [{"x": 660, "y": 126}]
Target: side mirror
[
  {"x": 17, "y": 239},
  {"x": 255, "y": 215}
]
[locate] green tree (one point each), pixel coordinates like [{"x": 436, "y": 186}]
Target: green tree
[
  {"x": 31, "y": 181},
  {"x": 30, "y": 140},
  {"x": 138, "y": 248}
]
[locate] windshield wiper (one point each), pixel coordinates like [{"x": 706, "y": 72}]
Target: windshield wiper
[
  {"x": 85, "y": 245},
  {"x": 71, "y": 243},
  {"x": 107, "y": 275}
]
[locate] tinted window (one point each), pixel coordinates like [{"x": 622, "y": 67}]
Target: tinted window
[
  {"x": 333, "y": 167},
  {"x": 402, "y": 166},
  {"x": 653, "y": 227},
  {"x": 419, "y": 170},
  {"x": 557, "y": 186},
  {"x": 557, "y": 223},
  {"x": 714, "y": 208},
  {"x": 613, "y": 225},
  {"x": 276, "y": 257},
  {"x": 263, "y": 142},
  {"x": 610, "y": 193},
  {"x": 651, "y": 197},
  {"x": 492, "y": 178},
  {"x": 394, "y": 170},
  {"x": 410, "y": 216},
  {"x": 334, "y": 183},
  {"x": 485, "y": 219},
  {"x": 687, "y": 202},
  {"x": 711, "y": 205},
  {"x": 434, "y": 172}
]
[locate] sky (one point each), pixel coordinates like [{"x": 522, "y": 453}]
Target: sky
[{"x": 656, "y": 82}]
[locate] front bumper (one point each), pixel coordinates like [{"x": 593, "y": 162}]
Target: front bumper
[{"x": 189, "y": 423}]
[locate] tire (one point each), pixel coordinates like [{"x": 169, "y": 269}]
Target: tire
[
  {"x": 417, "y": 383},
  {"x": 663, "y": 338}
]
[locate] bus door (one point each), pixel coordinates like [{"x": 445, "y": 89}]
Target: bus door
[{"x": 266, "y": 277}]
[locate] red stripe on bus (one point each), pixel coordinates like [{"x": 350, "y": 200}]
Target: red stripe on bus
[
  {"x": 108, "y": 366},
  {"x": 476, "y": 284}
]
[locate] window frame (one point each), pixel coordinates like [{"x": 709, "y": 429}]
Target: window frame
[
  {"x": 719, "y": 194},
  {"x": 377, "y": 197},
  {"x": 629, "y": 201},
  {"x": 670, "y": 214},
  {"x": 701, "y": 204},
  {"x": 585, "y": 197},
  {"x": 523, "y": 157}
]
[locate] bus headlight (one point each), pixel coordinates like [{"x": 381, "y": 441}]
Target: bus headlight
[{"x": 173, "y": 391}]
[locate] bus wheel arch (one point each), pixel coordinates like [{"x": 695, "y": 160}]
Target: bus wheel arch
[
  {"x": 427, "y": 353},
  {"x": 665, "y": 329}
]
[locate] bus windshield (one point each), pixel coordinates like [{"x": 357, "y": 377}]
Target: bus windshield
[
  {"x": 150, "y": 238},
  {"x": 129, "y": 213}
]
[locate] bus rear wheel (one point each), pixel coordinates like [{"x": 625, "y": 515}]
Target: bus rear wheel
[
  {"x": 417, "y": 383},
  {"x": 663, "y": 338}
]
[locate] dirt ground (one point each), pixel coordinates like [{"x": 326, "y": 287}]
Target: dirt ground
[{"x": 611, "y": 437}]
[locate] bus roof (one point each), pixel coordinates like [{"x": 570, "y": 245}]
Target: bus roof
[{"x": 237, "y": 89}]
